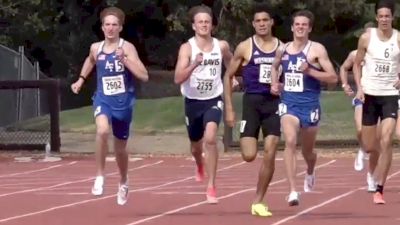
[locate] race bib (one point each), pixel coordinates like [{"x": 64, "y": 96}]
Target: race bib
[
  {"x": 382, "y": 67},
  {"x": 265, "y": 74},
  {"x": 113, "y": 85},
  {"x": 201, "y": 85},
  {"x": 204, "y": 85},
  {"x": 294, "y": 82}
]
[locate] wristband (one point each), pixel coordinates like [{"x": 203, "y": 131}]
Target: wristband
[{"x": 84, "y": 78}]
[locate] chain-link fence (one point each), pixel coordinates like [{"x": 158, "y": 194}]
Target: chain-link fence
[{"x": 24, "y": 119}]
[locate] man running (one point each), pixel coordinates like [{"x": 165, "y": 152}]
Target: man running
[
  {"x": 198, "y": 71},
  {"x": 305, "y": 65},
  {"x": 377, "y": 87},
  {"x": 117, "y": 62}
]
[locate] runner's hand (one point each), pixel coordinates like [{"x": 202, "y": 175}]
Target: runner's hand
[
  {"x": 360, "y": 95},
  {"x": 303, "y": 67},
  {"x": 276, "y": 88},
  {"x": 347, "y": 90},
  {"x": 120, "y": 54},
  {"x": 235, "y": 83},
  {"x": 199, "y": 58},
  {"x": 76, "y": 87}
]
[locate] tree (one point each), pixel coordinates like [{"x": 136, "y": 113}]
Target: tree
[{"x": 60, "y": 32}]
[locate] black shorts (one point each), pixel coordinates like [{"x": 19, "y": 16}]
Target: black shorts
[
  {"x": 379, "y": 107},
  {"x": 260, "y": 111},
  {"x": 198, "y": 113}
]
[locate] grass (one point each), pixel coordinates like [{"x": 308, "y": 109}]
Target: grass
[
  {"x": 166, "y": 115},
  {"x": 337, "y": 116}
]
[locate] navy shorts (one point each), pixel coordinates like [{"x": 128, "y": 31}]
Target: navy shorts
[
  {"x": 308, "y": 116},
  {"x": 120, "y": 119},
  {"x": 198, "y": 113}
]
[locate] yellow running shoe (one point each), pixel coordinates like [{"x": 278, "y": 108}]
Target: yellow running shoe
[{"x": 260, "y": 209}]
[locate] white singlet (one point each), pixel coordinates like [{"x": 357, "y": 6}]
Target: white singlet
[
  {"x": 205, "y": 82},
  {"x": 380, "y": 71}
]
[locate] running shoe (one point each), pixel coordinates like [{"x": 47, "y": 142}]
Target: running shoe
[
  {"x": 97, "y": 188},
  {"x": 212, "y": 195},
  {"x": 293, "y": 198},
  {"x": 309, "y": 181},
  {"x": 260, "y": 209},
  {"x": 378, "y": 198},
  {"x": 122, "y": 195},
  {"x": 359, "y": 160}
]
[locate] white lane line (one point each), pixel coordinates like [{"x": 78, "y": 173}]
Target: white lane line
[
  {"x": 62, "y": 193},
  {"x": 106, "y": 197},
  {"x": 220, "y": 198},
  {"x": 38, "y": 170},
  {"x": 322, "y": 204},
  {"x": 73, "y": 182},
  {"x": 178, "y": 193}
]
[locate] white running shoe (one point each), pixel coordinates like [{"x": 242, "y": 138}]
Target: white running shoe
[
  {"x": 359, "y": 160},
  {"x": 293, "y": 198},
  {"x": 97, "y": 188},
  {"x": 309, "y": 181},
  {"x": 371, "y": 183},
  {"x": 122, "y": 195}
]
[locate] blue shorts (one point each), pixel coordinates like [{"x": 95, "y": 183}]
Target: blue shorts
[
  {"x": 198, "y": 113},
  {"x": 308, "y": 116},
  {"x": 120, "y": 119},
  {"x": 356, "y": 102}
]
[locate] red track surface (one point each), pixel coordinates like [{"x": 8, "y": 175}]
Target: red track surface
[{"x": 163, "y": 191}]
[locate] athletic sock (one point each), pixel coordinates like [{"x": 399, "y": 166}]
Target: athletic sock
[{"x": 379, "y": 188}]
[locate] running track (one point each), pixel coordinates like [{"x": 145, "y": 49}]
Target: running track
[{"x": 163, "y": 191}]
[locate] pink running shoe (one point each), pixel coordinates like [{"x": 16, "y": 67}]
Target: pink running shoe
[
  {"x": 378, "y": 198},
  {"x": 212, "y": 195}
]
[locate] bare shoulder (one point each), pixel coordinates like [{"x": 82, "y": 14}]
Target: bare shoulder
[
  {"x": 364, "y": 38},
  {"x": 95, "y": 46},
  {"x": 185, "y": 49},
  {"x": 128, "y": 44},
  {"x": 317, "y": 48},
  {"x": 282, "y": 46},
  {"x": 317, "y": 45},
  {"x": 223, "y": 44},
  {"x": 243, "y": 46},
  {"x": 281, "y": 43},
  {"x": 245, "y": 43}
]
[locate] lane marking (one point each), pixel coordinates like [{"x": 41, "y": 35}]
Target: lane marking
[
  {"x": 38, "y": 170},
  {"x": 74, "y": 182},
  {"x": 322, "y": 204},
  {"x": 106, "y": 197},
  {"x": 220, "y": 198}
]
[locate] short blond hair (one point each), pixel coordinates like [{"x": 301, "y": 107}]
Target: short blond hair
[
  {"x": 117, "y": 12},
  {"x": 199, "y": 9}
]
